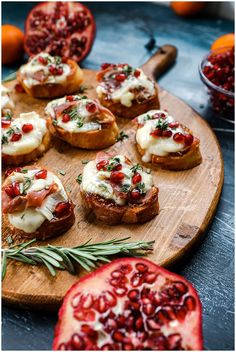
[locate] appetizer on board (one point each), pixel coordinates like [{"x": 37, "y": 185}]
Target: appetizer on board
[
  {"x": 35, "y": 203},
  {"x": 82, "y": 122},
  {"x": 46, "y": 76},
  {"x": 163, "y": 141},
  {"x": 116, "y": 190},
  {"x": 126, "y": 91},
  {"x": 24, "y": 139},
  {"x": 7, "y": 105}
]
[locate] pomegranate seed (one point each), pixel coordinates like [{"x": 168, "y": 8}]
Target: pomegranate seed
[
  {"x": 126, "y": 269},
  {"x": 137, "y": 73},
  {"x": 59, "y": 71},
  {"x": 6, "y": 123},
  {"x": 139, "y": 323},
  {"x": 70, "y": 98},
  {"x": 10, "y": 191},
  {"x": 118, "y": 336},
  {"x": 173, "y": 125},
  {"x": 150, "y": 278},
  {"x": 76, "y": 300},
  {"x": 136, "y": 280},
  {"x": 156, "y": 133},
  {"x": 41, "y": 174},
  {"x": 102, "y": 165},
  {"x": 117, "y": 176},
  {"x": 148, "y": 309},
  {"x": 62, "y": 347},
  {"x": 179, "y": 137},
  {"x": 136, "y": 178},
  {"x": 65, "y": 118},
  {"x": 9, "y": 171},
  {"x": 88, "y": 301},
  {"x": 128, "y": 347},
  {"x": 133, "y": 295},
  {"x": 135, "y": 194},
  {"x": 190, "y": 303},
  {"x": 77, "y": 342},
  {"x": 27, "y": 127},
  {"x": 120, "y": 291},
  {"x": 52, "y": 69},
  {"x": 181, "y": 287},
  {"x": 152, "y": 324},
  {"x": 105, "y": 65},
  {"x": 120, "y": 77},
  {"x": 116, "y": 274},
  {"x": 84, "y": 315},
  {"x": 118, "y": 167},
  {"x": 91, "y": 107},
  {"x": 19, "y": 88},
  {"x": 141, "y": 267},
  {"x": 167, "y": 133},
  {"x": 174, "y": 342},
  {"x": 188, "y": 139},
  {"x": 42, "y": 60},
  {"x": 62, "y": 209},
  {"x": 16, "y": 137},
  {"x": 180, "y": 312}
]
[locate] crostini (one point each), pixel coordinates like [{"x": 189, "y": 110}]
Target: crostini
[
  {"x": 163, "y": 141},
  {"x": 7, "y": 105},
  {"x": 82, "y": 122},
  {"x": 46, "y": 76},
  {"x": 126, "y": 91},
  {"x": 35, "y": 203},
  {"x": 24, "y": 139},
  {"x": 117, "y": 191}
]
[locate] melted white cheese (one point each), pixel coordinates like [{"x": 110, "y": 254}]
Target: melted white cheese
[
  {"x": 7, "y": 104},
  {"x": 95, "y": 182},
  {"x": 123, "y": 94},
  {"x": 71, "y": 126},
  {"x": 29, "y": 141},
  {"x": 34, "y": 66},
  {"x": 31, "y": 219},
  {"x": 160, "y": 146}
]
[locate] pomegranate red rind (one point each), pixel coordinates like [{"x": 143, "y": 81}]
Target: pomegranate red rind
[
  {"x": 65, "y": 29},
  {"x": 130, "y": 304}
]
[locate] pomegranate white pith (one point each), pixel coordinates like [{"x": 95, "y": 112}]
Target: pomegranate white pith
[{"x": 130, "y": 304}]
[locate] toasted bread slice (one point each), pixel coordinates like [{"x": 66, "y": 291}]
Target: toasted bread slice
[
  {"x": 36, "y": 213},
  {"x": 97, "y": 129},
  {"x": 34, "y": 139},
  {"x": 43, "y": 84},
  {"x": 133, "y": 96},
  {"x": 116, "y": 191},
  {"x": 162, "y": 141}
]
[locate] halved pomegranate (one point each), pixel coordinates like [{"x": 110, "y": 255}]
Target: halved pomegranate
[
  {"x": 130, "y": 304},
  {"x": 65, "y": 29}
]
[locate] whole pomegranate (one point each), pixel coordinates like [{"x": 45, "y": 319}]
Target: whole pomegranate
[
  {"x": 130, "y": 304},
  {"x": 65, "y": 29}
]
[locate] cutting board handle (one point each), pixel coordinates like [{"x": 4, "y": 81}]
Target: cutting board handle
[{"x": 163, "y": 58}]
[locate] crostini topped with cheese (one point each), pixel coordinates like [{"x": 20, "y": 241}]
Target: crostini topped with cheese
[
  {"x": 118, "y": 191},
  {"x": 36, "y": 203},
  {"x": 7, "y": 104},
  {"x": 49, "y": 76},
  {"x": 82, "y": 122},
  {"x": 162, "y": 140},
  {"x": 24, "y": 139},
  {"x": 126, "y": 91}
]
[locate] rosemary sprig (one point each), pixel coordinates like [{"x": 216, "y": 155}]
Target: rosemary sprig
[
  {"x": 86, "y": 255},
  {"x": 122, "y": 136}
]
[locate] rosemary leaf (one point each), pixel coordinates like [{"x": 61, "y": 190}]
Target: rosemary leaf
[
  {"x": 4, "y": 265},
  {"x": 50, "y": 268}
]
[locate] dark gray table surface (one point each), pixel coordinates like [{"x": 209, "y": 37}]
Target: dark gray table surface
[{"x": 123, "y": 29}]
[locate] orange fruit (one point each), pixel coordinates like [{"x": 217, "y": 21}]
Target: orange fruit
[
  {"x": 226, "y": 40},
  {"x": 187, "y": 8},
  {"x": 12, "y": 44}
]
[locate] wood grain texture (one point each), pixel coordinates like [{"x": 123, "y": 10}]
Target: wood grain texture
[{"x": 188, "y": 200}]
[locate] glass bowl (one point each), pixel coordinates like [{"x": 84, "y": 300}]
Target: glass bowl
[{"x": 221, "y": 100}]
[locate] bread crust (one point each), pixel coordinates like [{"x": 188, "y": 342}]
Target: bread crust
[
  {"x": 137, "y": 108},
  {"x": 99, "y": 139},
  {"x": 48, "y": 229},
  {"x": 113, "y": 214},
  {"x": 178, "y": 161},
  {"x": 21, "y": 159},
  {"x": 54, "y": 90}
]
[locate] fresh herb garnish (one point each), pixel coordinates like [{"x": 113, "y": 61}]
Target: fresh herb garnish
[
  {"x": 8, "y": 116},
  {"x": 79, "y": 178},
  {"x": 69, "y": 190},
  {"x": 62, "y": 172},
  {"x": 4, "y": 139},
  {"x": 141, "y": 187},
  {"x": 27, "y": 184},
  {"x": 82, "y": 89},
  {"x": 136, "y": 167},
  {"x": 102, "y": 186},
  {"x": 24, "y": 171},
  {"x": 84, "y": 162},
  {"x": 86, "y": 255},
  {"x": 74, "y": 115},
  {"x": 10, "y": 131},
  {"x": 128, "y": 69},
  {"x": 113, "y": 163},
  {"x": 147, "y": 117},
  {"x": 57, "y": 60},
  {"x": 125, "y": 188},
  {"x": 162, "y": 124},
  {"x": 55, "y": 122},
  {"x": 122, "y": 136},
  {"x": 9, "y": 239}
]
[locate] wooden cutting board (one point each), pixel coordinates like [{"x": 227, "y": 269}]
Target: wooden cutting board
[{"x": 188, "y": 199}]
